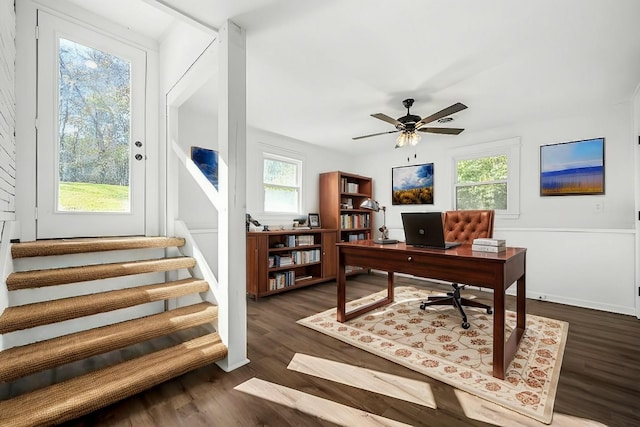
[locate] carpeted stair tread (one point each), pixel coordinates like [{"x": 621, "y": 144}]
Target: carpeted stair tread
[
  {"x": 47, "y": 312},
  {"x": 75, "y": 246},
  {"x": 89, "y": 392},
  {"x": 25, "y": 360},
  {"x": 61, "y": 276}
]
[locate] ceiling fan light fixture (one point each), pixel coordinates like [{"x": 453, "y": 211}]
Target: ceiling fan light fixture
[
  {"x": 414, "y": 138},
  {"x": 409, "y": 124},
  {"x": 408, "y": 138},
  {"x": 402, "y": 140}
]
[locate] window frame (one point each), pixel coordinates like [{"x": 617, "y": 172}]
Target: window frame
[
  {"x": 285, "y": 158},
  {"x": 507, "y": 147}
]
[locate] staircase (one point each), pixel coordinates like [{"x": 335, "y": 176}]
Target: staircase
[{"x": 71, "y": 374}]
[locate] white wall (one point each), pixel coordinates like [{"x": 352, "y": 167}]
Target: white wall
[
  {"x": 567, "y": 239},
  {"x": 196, "y": 129},
  {"x": 636, "y": 136},
  {"x": 179, "y": 48},
  {"x": 200, "y": 128},
  {"x": 316, "y": 161},
  {"x": 7, "y": 138},
  {"x": 7, "y": 110},
  {"x": 575, "y": 252}
]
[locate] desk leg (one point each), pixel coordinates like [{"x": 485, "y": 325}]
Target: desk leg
[
  {"x": 498, "y": 333},
  {"x": 511, "y": 347},
  {"x": 390, "y": 286},
  {"x": 342, "y": 290},
  {"x": 521, "y": 308}
]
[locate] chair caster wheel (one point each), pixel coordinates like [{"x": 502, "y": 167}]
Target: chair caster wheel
[
  {"x": 465, "y": 325},
  {"x": 489, "y": 311},
  {"x": 422, "y": 306}
]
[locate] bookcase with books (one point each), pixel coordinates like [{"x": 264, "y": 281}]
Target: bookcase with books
[
  {"x": 279, "y": 261},
  {"x": 340, "y": 196}
]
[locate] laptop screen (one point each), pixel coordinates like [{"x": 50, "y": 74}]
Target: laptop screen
[{"x": 424, "y": 229}]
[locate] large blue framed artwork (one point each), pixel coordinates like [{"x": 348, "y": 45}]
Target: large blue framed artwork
[
  {"x": 412, "y": 185},
  {"x": 572, "y": 168},
  {"x": 207, "y": 162}
]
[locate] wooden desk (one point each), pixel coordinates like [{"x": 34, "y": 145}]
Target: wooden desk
[{"x": 461, "y": 265}]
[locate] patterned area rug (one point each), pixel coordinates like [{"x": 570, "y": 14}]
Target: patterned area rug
[{"x": 433, "y": 342}]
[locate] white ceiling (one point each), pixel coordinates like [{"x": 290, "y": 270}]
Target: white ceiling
[{"x": 316, "y": 70}]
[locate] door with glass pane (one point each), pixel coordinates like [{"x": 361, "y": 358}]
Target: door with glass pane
[{"x": 90, "y": 133}]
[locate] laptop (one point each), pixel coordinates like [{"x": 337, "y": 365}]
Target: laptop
[{"x": 424, "y": 229}]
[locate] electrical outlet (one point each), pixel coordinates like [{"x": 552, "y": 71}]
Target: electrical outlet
[{"x": 599, "y": 207}]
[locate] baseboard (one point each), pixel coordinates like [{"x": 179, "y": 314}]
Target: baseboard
[{"x": 533, "y": 295}]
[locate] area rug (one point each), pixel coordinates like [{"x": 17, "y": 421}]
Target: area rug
[{"x": 433, "y": 343}]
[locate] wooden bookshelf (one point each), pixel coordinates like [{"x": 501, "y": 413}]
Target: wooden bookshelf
[
  {"x": 340, "y": 196},
  {"x": 279, "y": 261}
]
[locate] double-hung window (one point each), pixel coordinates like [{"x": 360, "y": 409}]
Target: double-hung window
[
  {"x": 282, "y": 183},
  {"x": 486, "y": 176}
]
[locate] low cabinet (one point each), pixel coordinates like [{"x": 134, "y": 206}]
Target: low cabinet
[{"x": 279, "y": 261}]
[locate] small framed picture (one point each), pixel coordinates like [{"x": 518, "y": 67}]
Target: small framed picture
[{"x": 314, "y": 220}]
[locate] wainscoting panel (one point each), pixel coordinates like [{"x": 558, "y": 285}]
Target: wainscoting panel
[{"x": 580, "y": 267}]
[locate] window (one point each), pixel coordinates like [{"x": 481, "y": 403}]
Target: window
[
  {"x": 486, "y": 176},
  {"x": 94, "y": 119},
  {"x": 281, "y": 178}
]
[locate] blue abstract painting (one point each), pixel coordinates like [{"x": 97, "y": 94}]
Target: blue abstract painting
[
  {"x": 412, "y": 185},
  {"x": 207, "y": 162},
  {"x": 572, "y": 168}
]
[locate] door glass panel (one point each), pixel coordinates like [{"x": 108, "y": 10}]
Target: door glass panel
[{"x": 94, "y": 122}]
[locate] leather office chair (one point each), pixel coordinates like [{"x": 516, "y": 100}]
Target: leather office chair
[{"x": 463, "y": 226}]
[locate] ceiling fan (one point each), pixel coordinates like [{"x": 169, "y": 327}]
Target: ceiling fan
[{"x": 410, "y": 125}]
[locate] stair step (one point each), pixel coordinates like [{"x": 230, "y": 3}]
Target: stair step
[
  {"x": 87, "y": 393},
  {"x": 47, "y": 312},
  {"x": 25, "y": 360},
  {"x": 62, "y": 276},
  {"x": 75, "y": 246}
]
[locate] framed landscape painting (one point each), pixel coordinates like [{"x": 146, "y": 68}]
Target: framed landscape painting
[
  {"x": 412, "y": 185},
  {"x": 572, "y": 168}
]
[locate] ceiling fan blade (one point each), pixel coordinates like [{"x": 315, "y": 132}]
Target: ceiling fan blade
[
  {"x": 442, "y": 113},
  {"x": 375, "y": 134},
  {"x": 448, "y": 131},
  {"x": 387, "y": 119}
]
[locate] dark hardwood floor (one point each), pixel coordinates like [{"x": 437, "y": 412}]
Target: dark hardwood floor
[{"x": 600, "y": 376}]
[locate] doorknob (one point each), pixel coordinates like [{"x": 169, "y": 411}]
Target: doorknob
[
  {"x": 138, "y": 144},
  {"x": 138, "y": 156}
]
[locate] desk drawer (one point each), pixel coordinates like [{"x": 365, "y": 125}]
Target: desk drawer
[{"x": 432, "y": 265}]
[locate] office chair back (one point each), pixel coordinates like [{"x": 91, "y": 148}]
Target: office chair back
[{"x": 464, "y": 226}]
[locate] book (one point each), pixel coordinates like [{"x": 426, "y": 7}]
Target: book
[
  {"x": 488, "y": 248},
  {"x": 490, "y": 242}
]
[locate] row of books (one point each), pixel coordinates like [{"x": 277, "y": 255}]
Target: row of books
[
  {"x": 489, "y": 245},
  {"x": 346, "y": 203},
  {"x": 354, "y": 237},
  {"x": 294, "y": 240},
  {"x": 305, "y": 257},
  {"x": 354, "y": 220},
  {"x": 348, "y": 187},
  {"x": 282, "y": 280},
  {"x": 304, "y": 240},
  {"x": 280, "y": 260},
  {"x": 295, "y": 257}
]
